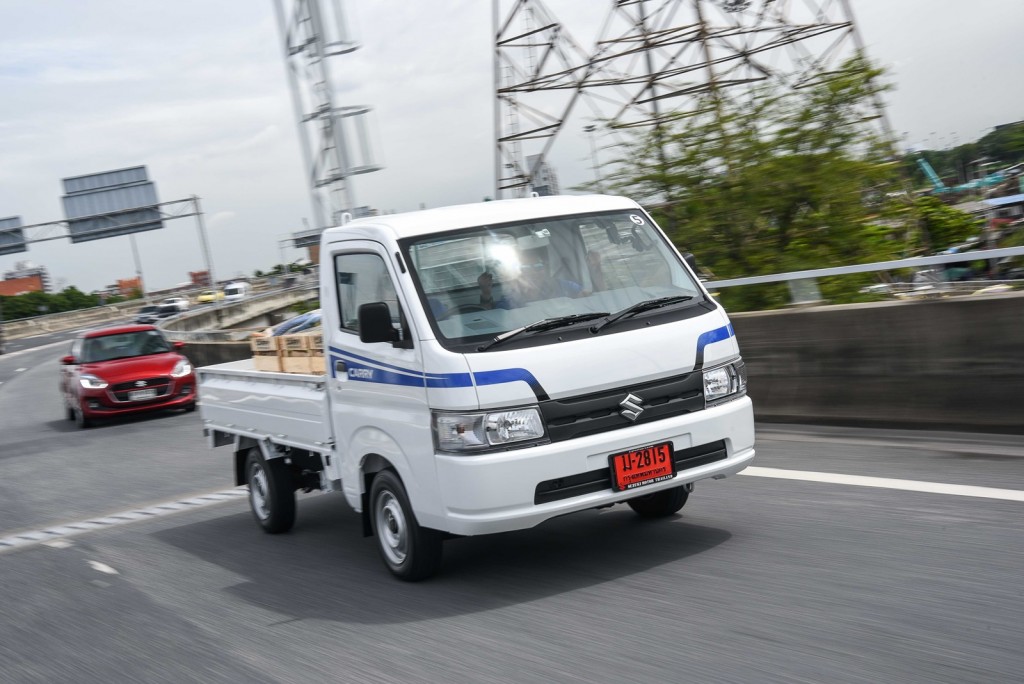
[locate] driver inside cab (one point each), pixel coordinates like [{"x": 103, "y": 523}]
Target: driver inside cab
[{"x": 524, "y": 283}]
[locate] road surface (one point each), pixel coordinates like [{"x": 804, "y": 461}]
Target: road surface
[{"x": 844, "y": 555}]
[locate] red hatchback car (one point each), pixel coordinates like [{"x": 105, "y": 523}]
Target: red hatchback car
[{"x": 124, "y": 370}]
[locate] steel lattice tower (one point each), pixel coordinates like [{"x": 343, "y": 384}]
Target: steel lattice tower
[
  {"x": 653, "y": 61},
  {"x": 334, "y": 138}
]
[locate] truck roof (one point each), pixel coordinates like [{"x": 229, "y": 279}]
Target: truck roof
[{"x": 426, "y": 221}]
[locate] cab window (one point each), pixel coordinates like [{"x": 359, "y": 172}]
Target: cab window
[{"x": 363, "y": 278}]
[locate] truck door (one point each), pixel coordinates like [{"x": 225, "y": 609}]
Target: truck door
[{"x": 377, "y": 389}]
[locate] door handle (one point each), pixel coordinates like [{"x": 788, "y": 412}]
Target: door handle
[{"x": 340, "y": 367}]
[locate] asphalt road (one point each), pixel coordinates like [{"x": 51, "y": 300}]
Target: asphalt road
[{"x": 153, "y": 570}]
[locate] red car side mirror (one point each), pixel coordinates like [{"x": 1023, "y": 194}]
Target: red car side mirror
[
  {"x": 68, "y": 360},
  {"x": 178, "y": 344}
]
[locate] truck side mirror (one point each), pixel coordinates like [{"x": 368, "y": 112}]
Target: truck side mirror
[
  {"x": 691, "y": 261},
  {"x": 375, "y": 323}
]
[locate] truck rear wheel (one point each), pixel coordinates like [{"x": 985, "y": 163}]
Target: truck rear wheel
[
  {"x": 271, "y": 492},
  {"x": 411, "y": 552},
  {"x": 660, "y": 504}
]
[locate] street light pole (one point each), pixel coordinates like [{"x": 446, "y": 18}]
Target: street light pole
[
  {"x": 589, "y": 130},
  {"x": 285, "y": 267},
  {"x": 138, "y": 267},
  {"x": 203, "y": 241}
]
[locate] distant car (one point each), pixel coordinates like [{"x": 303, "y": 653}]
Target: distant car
[
  {"x": 124, "y": 370},
  {"x": 207, "y": 296},
  {"x": 235, "y": 292},
  {"x": 166, "y": 311},
  {"x": 147, "y": 314},
  {"x": 181, "y": 302}
]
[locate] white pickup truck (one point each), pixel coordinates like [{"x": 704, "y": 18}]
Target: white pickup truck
[{"x": 488, "y": 367}]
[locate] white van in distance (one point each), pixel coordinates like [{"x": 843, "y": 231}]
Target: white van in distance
[{"x": 236, "y": 292}]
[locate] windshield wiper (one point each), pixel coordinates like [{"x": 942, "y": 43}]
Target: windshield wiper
[
  {"x": 640, "y": 307},
  {"x": 545, "y": 324}
]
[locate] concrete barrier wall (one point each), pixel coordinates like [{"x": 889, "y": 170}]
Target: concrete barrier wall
[
  {"x": 38, "y": 325},
  {"x": 952, "y": 363},
  {"x": 209, "y": 353}
]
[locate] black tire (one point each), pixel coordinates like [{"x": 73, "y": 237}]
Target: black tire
[
  {"x": 80, "y": 419},
  {"x": 189, "y": 408},
  {"x": 410, "y": 552},
  {"x": 660, "y": 504},
  {"x": 271, "y": 492},
  {"x": 69, "y": 412}
]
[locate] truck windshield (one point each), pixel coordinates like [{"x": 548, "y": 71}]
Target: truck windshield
[{"x": 479, "y": 283}]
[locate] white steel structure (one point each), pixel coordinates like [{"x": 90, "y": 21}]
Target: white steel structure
[
  {"x": 652, "y": 61},
  {"x": 334, "y": 138}
]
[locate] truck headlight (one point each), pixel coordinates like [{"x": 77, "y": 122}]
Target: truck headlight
[
  {"x": 486, "y": 431},
  {"x": 181, "y": 369},
  {"x": 725, "y": 382},
  {"x": 89, "y": 381}
]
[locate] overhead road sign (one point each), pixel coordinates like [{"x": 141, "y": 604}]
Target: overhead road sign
[
  {"x": 12, "y": 238},
  {"x": 111, "y": 203}
]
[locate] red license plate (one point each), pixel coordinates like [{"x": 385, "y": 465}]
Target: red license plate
[{"x": 637, "y": 467}]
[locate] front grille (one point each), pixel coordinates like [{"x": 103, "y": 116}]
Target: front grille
[
  {"x": 601, "y": 479},
  {"x": 130, "y": 385},
  {"x": 121, "y": 390},
  {"x": 590, "y": 414}
]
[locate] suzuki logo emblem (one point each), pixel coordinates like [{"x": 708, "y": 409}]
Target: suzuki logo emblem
[
  {"x": 140, "y": 383},
  {"x": 631, "y": 407}
]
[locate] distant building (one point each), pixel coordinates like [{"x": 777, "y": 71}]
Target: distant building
[
  {"x": 545, "y": 181},
  {"x": 12, "y": 287},
  {"x": 199, "y": 278},
  {"x": 126, "y": 287},
  {"x": 26, "y": 269}
]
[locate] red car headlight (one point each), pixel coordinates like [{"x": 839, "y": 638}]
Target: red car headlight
[{"x": 181, "y": 369}]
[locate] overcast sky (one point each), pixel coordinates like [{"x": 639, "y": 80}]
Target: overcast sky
[{"x": 197, "y": 92}]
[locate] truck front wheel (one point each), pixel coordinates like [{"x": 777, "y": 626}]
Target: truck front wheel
[
  {"x": 411, "y": 552},
  {"x": 660, "y": 504},
  {"x": 271, "y": 492}
]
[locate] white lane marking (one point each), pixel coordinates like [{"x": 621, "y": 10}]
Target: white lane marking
[
  {"x": 949, "y": 444},
  {"x": 103, "y": 567},
  {"x": 888, "y": 483},
  {"x": 19, "y": 370},
  {"x": 49, "y": 534}
]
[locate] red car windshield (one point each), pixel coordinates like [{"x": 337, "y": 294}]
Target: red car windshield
[{"x": 123, "y": 346}]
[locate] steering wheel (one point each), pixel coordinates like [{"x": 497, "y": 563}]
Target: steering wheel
[{"x": 461, "y": 309}]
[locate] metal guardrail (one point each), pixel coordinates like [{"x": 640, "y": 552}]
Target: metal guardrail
[{"x": 913, "y": 262}]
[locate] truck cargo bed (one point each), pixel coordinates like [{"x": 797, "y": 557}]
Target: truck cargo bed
[{"x": 288, "y": 408}]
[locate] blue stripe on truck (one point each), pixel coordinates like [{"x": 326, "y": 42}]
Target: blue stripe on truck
[
  {"x": 364, "y": 369},
  {"x": 710, "y": 337}
]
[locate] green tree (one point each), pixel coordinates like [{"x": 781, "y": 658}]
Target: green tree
[
  {"x": 1004, "y": 144},
  {"x": 943, "y": 226},
  {"x": 782, "y": 181}
]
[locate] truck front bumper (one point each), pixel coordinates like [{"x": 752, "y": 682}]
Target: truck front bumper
[{"x": 513, "y": 490}]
